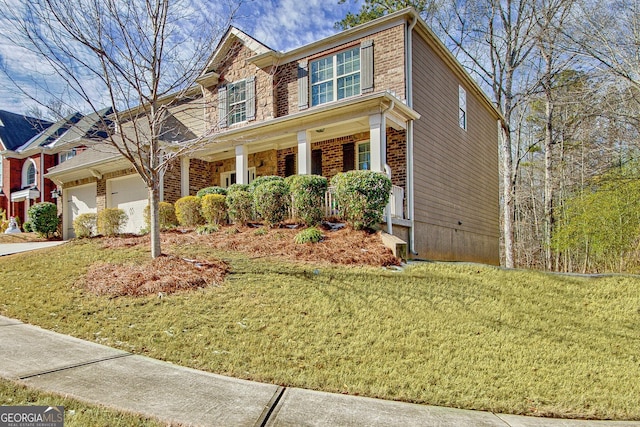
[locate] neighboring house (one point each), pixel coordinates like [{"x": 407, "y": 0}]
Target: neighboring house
[
  {"x": 25, "y": 164},
  {"x": 19, "y": 176},
  {"x": 385, "y": 96}
]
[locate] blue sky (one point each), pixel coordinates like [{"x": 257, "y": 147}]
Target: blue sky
[{"x": 280, "y": 24}]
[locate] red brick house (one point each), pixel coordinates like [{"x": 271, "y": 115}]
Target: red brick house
[
  {"x": 25, "y": 162},
  {"x": 386, "y": 96}
]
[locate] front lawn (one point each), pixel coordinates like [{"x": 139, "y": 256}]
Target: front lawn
[
  {"x": 76, "y": 413},
  {"x": 457, "y": 335}
]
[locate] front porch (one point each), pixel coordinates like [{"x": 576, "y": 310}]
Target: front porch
[{"x": 363, "y": 133}]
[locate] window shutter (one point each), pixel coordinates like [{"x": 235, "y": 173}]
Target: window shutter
[
  {"x": 303, "y": 85},
  {"x": 222, "y": 106},
  {"x": 251, "y": 98},
  {"x": 348, "y": 157},
  {"x": 366, "y": 66}
]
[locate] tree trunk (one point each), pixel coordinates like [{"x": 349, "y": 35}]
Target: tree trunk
[
  {"x": 548, "y": 180},
  {"x": 154, "y": 216},
  {"x": 508, "y": 194}
]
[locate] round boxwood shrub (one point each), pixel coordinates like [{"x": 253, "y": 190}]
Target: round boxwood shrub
[
  {"x": 307, "y": 197},
  {"x": 237, "y": 187},
  {"x": 362, "y": 196},
  {"x": 261, "y": 180},
  {"x": 213, "y": 208},
  {"x": 239, "y": 205},
  {"x": 271, "y": 201},
  {"x": 27, "y": 227},
  {"x": 166, "y": 213},
  {"x": 188, "y": 211},
  {"x": 44, "y": 218},
  {"x": 211, "y": 190},
  {"x": 85, "y": 225},
  {"x": 111, "y": 221},
  {"x": 308, "y": 235}
]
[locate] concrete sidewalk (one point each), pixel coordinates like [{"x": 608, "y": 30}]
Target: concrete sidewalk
[
  {"x": 95, "y": 373},
  {"x": 14, "y": 248}
]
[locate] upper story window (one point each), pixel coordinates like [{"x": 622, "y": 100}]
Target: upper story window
[
  {"x": 237, "y": 102},
  {"x": 462, "y": 108},
  {"x": 335, "y": 77},
  {"x": 29, "y": 174},
  {"x": 237, "y": 99},
  {"x": 66, "y": 155}
]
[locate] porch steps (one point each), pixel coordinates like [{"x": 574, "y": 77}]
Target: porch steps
[{"x": 398, "y": 246}]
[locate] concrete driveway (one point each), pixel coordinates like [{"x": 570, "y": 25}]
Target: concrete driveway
[{"x": 13, "y": 248}]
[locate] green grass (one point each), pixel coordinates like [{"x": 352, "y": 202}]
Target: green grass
[
  {"x": 464, "y": 336},
  {"x": 77, "y": 414}
]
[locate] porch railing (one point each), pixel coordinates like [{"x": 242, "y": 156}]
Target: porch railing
[{"x": 330, "y": 207}]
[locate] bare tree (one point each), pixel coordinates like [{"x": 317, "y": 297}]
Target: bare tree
[
  {"x": 139, "y": 57},
  {"x": 495, "y": 39}
]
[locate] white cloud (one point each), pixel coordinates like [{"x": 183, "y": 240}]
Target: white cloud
[{"x": 286, "y": 24}]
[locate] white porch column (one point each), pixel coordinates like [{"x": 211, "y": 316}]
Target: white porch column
[
  {"x": 184, "y": 176},
  {"x": 304, "y": 153},
  {"x": 242, "y": 164},
  {"x": 378, "y": 141}
]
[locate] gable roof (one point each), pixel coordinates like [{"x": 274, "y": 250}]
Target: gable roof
[
  {"x": 234, "y": 34},
  {"x": 16, "y": 129},
  {"x": 91, "y": 126},
  {"x": 50, "y": 134}
]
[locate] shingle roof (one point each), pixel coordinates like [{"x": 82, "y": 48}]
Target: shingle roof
[
  {"x": 16, "y": 129},
  {"x": 89, "y": 127},
  {"x": 52, "y": 133}
]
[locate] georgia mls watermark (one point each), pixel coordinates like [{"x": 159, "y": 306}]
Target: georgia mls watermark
[{"x": 31, "y": 416}]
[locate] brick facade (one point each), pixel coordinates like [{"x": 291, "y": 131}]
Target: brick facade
[
  {"x": 201, "y": 175},
  {"x": 172, "y": 189}
]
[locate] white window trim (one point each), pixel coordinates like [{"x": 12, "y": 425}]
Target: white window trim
[
  {"x": 334, "y": 79},
  {"x": 230, "y": 105},
  {"x": 224, "y": 176},
  {"x": 357, "y": 154},
  {"x": 462, "y": 108},
  {"x": 25, "y": 173}
]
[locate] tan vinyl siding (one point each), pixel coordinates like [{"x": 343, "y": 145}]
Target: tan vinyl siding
[{"x": 456, "y": 171}]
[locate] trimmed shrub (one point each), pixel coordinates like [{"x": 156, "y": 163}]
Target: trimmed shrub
[
  {"x": 261, "y": 180},
  {"x": 362, "y": 196},
  {"x": 188, "y": 211},
  {"x": 240, "y": 206},
  {"x": 85, "y": 225},
  {"x": 237, "y": 187},
  {"x": 27, "y": 227},
  {"x": 271, "y": 201},
  {"x": 213, "y": 208},
  {"x": 111, "y": 221},
  {"x": 166, "y": 213},
  {"x": 309, "y": 235},
  {"x": 44, "y": 218},
  {"x": 211, "y": 190},
  {"x": 307, "y": 196}
]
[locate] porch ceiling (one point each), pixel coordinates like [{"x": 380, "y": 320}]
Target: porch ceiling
[{"x": 322, "y": 123}]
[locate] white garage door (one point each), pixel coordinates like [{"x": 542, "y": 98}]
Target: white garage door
[
  {"x": 129, "y": 194},
  {"x": 79, "y": 200}
]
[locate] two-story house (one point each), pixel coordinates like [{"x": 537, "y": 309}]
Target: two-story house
[
  {"x": 386, "y": 96},
  {"x": 50, "y": 144},
  {"x": 19, "y": 174}
]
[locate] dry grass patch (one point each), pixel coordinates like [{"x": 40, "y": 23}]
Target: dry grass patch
[{"x": 165, "y": 275}]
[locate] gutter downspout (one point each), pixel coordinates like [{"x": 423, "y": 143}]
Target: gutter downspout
[
  {"x": 387, "y": 168},
  {"x": 42, "y": 174},
  {"x": 410, "y": 178}
]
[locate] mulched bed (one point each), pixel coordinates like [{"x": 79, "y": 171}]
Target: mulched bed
[
  {"x": 169, "y": 274},
  {"x": 161, "y": 276}
]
